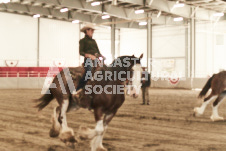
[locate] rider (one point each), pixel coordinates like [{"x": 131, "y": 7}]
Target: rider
[{"x": 87, "y": 48}]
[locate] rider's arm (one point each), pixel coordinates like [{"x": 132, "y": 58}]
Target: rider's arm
[
  {"x": 81, "y": 48},
  {"x": 87, "y": 55},
  {"x": 98, "y": 51}
]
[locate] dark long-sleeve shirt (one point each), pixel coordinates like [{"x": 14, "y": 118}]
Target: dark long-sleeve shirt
[
  {"x": 146, "y": 77},
  {"x": 88, "y": 45}
]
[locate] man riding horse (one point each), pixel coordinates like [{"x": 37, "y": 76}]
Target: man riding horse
[
  {"x": 105, "y": 104},
  {"x": 87, "y": 48}
]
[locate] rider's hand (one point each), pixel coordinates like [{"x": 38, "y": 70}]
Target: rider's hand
[
  {"x": 104, "y": 58},
  {"x": 92, "y": 57}
]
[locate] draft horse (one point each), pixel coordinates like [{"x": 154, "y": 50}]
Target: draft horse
[
  {"x": 104, "y": 105},
  {"x": 218, "y": 84}
]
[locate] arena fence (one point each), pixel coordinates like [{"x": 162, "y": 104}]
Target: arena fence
[
  {"x": 27, "y": 72},
  {"x": 37, "y": 77}
]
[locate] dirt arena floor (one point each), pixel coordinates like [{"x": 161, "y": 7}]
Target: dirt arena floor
[{"x": 166, "y": 125}]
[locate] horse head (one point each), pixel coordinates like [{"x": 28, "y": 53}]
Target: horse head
[{"x": 135, "y": 78}]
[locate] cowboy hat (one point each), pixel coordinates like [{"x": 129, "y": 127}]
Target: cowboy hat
[{"x": 88, "y": 26}]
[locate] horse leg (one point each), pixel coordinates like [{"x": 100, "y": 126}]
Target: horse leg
[
  {"x": 66, "y": 133},
  {"x": 198, "y": 111},
  {"x": 215, "y": 116},
  {"x": 99, "y": 130},
  {"x": 55, "y": 130},
  {"x": 87, "y": 133},
  {"x": 107, "y": 119}
]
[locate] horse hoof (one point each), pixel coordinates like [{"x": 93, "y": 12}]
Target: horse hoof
[
  {"x": 216, "y": 118},
  {"x": 68, "y": 138},
  {"x": 86, "y": 133},
  {"x": 53, "y": 133},
  {"x": 196, "y": 112},
  {"x": 101, "y": 149}
]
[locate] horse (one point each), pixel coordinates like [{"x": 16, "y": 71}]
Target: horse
[
  {"x": 218, "y": 85},
  {"x": 105, "y": 105}
]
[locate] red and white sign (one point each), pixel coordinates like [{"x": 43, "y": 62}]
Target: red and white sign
[
  {"x": 59, "y": 63},
  {"x": 174, "y": 81},
  {"x": 11, "y": 63}
]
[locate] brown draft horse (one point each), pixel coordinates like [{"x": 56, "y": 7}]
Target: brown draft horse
[
  {"x": 218, "y": 84},
  {"x": 105, "y": 105}
]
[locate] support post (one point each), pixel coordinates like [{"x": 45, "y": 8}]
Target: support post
[
  {"x": 38, "y": 42},
  {"x": 192, "y": 45},
  {"x": 186, "y": 53},
  {"x": 79, "y": 26},
  {"x": 113, "y": 39},
  {"x": 149, "y": 43}
]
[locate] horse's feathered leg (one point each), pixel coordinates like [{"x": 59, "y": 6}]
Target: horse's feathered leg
[
  {"x": 215, "y": 116},
  {"x": 55, "y": 130},
  {"x": 198, "y": 111},
  {"x": 99, "y": 130},
  {"x": 101, "y": 127},
  {"x": 96, "y": 142},
  {"x": 107, "y": 120},
  {"x": 66, "y": 133}
]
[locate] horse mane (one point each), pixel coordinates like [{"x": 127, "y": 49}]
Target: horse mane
[{"x": 112, "y": 67}]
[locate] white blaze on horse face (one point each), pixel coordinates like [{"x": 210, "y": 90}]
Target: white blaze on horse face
[{"x": 136, "y": 80}]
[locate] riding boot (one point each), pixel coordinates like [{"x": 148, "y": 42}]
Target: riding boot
[
  {"x": 75, "y": 103},
  {"x": 91, "y": 103},
  {"x": 84, "y": 100}
]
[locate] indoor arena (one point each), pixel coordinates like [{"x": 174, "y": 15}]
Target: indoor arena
[{"x": 112, "y": 75}]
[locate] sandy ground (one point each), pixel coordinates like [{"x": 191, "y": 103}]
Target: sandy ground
[{"x": 166, "y": 125}]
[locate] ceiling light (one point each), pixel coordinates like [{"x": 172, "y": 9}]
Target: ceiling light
[
  {"x": 179, "y": 5},
  {"x": 95, "y": 3},
  {"x": 36, "y": 16},
  {"x": 75, "y": 21},
  {"x": 159, "y": 14},
  {"x": 218, "y": 14},
  {"x": 105, "y": 16},
  {"x": 178, "y": 19},
  {"x": 64, "y": 10},
  {"x": 142, "y": 23},
  {"x": 139, "y": 11},
  {"x": 50, "y": 16},
  {"x": 4, "y": 1},
  {"x": 114, "y": 2}
]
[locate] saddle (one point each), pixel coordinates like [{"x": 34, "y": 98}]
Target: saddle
[{"x": 80, "y": 99}]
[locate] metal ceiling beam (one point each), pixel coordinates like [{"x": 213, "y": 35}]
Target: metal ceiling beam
[
  {"x": 55, "y": 14},
  {"x": 167, "y": 6},
  {"x": 118, "y": 12}
]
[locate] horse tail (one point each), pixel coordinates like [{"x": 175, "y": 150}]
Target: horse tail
[
  {"x": 206, "y": 87},
  {"x": 44, "y": 101}
]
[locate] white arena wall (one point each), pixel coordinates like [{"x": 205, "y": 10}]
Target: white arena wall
[
  {"x": 210, "y": 48},
  {"x": 134, "y": 42},
  {"x": 59, "y": 40},
  {"x": 170, "y": 44},
  {"x": 18, "y": 36},
  {"x": 22, "y": 83}
]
